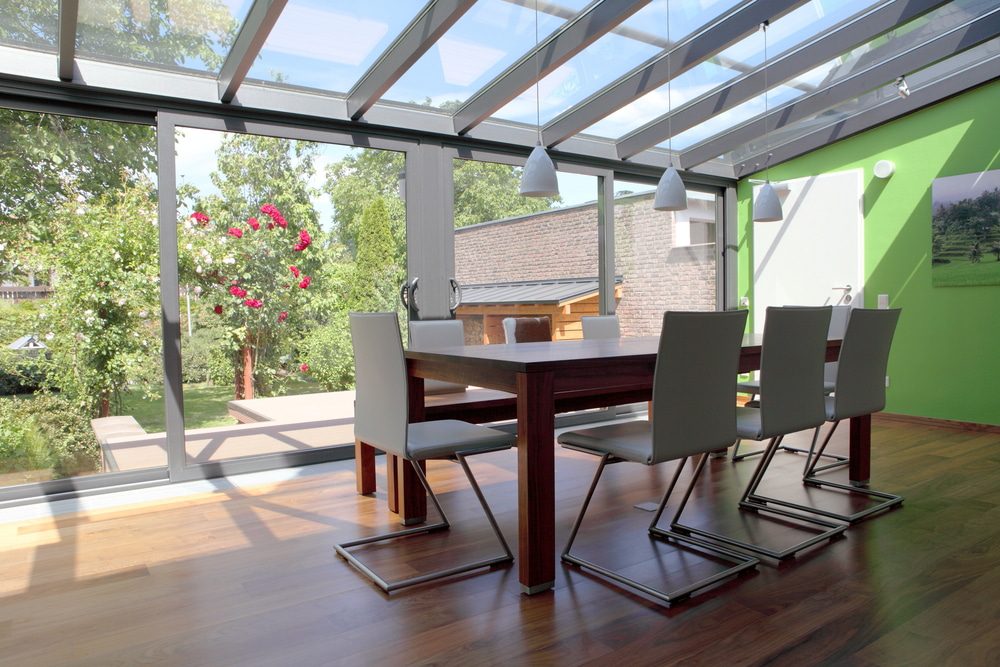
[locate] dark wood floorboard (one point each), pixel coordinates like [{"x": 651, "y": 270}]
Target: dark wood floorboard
[{"x": 249, "y": 576}]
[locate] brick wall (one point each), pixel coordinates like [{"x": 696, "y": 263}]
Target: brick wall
[{"x": 563, "y": 244}]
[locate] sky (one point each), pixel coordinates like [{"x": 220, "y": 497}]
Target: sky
[{"x": 950, "y": 189}]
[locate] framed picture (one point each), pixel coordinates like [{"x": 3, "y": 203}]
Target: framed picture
[{"x": 965, "y": 230}]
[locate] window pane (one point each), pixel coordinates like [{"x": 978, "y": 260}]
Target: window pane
[
  {"x": 34, "y": 24},
  {"x": 665, "y": 260},
  {"x": 171, "y": 34},
  {"x": 278, "y": 241},
  {"x": 523, "y": 256},
  {"x": 79, "y": 302}
]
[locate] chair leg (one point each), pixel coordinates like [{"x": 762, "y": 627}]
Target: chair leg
[
  {"x": 749, "y": 502},
  {"x": 742, "y": 562},
  {"x": 387, "y": 586}
]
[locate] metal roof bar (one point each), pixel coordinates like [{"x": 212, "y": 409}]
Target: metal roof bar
[
  {"x": 577, "y": 34},
  {"x": 859, "y": 29},
  {"x": 701, "y": 45},
  {"x": 257, "y": 26},
  {"x": 68, "y": 16},
  {"x": 420, "y": 35},
  {"x": 976, "y": 74},
  {"x": 938, "y": 48}
]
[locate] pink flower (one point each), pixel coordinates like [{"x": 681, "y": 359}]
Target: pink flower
[
  {"x": 304, "y": 368},
  {"x": 253, "y": 303},
  {"x": 235, "y": 231},
  {"x": 304, "y": 283},
  {"x": 218, "y": 310},
  {"x": 200, "y": 218},
  {"x": 237, "y": 291},
  {"x": 282, "y": 316},
  {"x": 295, "y": 271},
  {"x": 271, "y": 211},
  {"x": 304, "y": 241},
  {"x": 254, "y": 224}
]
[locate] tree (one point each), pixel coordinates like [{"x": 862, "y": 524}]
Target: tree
[
  {"x": 377, "y": 269},
  {"x": 356, "y": 181},
  {"x": 487, "y": 191},
  {"x": 100, "y": 325},
  {"x": 995, "y": 249}
]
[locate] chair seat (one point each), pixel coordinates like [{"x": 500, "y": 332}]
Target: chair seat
[
  {"x": 445, "y": 437},
  {"x": 748, "y": 423},
  {"x": 631, "y": 441},
  {"x": 753, "y": 387}
]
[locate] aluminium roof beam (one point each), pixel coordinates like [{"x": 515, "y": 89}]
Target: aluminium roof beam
[
  {"x": 574, "y": 36},
  {"x": 704, "y": 43},
  {"x": 69, "y": 11},
  {"x": 977, "y": 73},
  {"x": 859, "y": 29},
  {"x": 420, "y": 35},
  {"x": 260, "y": 20},
  {"x": 956, "y": 40}
]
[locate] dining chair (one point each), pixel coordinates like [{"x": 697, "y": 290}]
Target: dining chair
[
  {"x": 432, "y": 335},
  {"x": 527, "y": 329},
  {"x": 791, "y": 400},
  {"x": 381, "y": 420},
  {"x": 838, "y": 324},
  {"x": 601, "y": 327},
  {"x": 698, "y": 356},
  {"x": 859, "y": 390}
]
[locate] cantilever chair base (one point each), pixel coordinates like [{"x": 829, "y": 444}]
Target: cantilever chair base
[
  {"x": 740, "y": 561},
  {"x": 389, "y": 586}
]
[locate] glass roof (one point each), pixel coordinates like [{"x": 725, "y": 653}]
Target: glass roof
[
  {"x": 171, "y": 34},
  {"x": 314, "y": 52},
  {"x": 329, "y": 44}
]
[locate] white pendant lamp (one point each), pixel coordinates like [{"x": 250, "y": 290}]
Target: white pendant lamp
[
  {"x": 670, "y": 192},
  {"x": 539, "y": 176},
  {"x": 766, "y": 205}
]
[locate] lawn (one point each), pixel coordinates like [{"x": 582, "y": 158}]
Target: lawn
[
  {"x": 963, "y": 273},
  {"x": 204, "y": 405}
]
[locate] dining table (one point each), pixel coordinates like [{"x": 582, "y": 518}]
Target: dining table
[{"x": 559, "y": 376}]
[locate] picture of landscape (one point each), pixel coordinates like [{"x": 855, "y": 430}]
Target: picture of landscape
[{"x": 965, "y": 230}]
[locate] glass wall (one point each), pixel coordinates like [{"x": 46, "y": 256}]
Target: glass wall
[
  {"x": 523, "y": 256},
  {"x": 79, "y": 296},
  {"x": 278, "y": 240},
  {"x": 664, "y": 260}
]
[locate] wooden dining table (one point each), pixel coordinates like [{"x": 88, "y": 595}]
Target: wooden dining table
[{"x": 563, "y": 376}]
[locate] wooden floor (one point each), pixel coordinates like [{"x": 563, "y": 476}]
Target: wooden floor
[{"x": 249, "y": 576}]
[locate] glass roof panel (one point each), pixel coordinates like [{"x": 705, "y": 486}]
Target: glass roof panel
[
  {"x": 879, "y": 50},
  {"x": 886, "y": 94},
  {"x": 488, "y": 39},
  {"x": 787, "y": 33},
  {"x": 170, "y": 34},
  {"x": 330, "y": 44},
  {"x": 32, "y": 24}
]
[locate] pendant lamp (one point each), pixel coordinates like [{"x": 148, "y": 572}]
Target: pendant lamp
[
  {"x": 670, "y": 192},
  {"x": 766, "y": 205},
  {"x": 539, "y": 176}
]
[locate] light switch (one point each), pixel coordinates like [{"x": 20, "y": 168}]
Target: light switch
[{"x": 883, "y": 301}]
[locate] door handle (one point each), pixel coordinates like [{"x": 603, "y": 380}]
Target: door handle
[
  {"x": 456, "y": 296},
  {"x": 408, "y": 296}
]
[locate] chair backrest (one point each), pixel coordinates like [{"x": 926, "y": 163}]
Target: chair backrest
[
  {"x": 603, "y": 326},
  {"x": 434, "y": 334},
  {"x": 838, "y": 326},
  {"x": 791, "y": 369},
  {"x": 864, "y": 357},
  {"x": 527, "y": 329},
  {"x": 381, "y": 411},
  {"x": 694, "y": 410}
]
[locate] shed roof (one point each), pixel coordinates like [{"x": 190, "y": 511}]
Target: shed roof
[{"x": 555, "y": 292}]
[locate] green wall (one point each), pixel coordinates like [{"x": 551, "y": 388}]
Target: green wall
[{"x": 945, "y": 360}]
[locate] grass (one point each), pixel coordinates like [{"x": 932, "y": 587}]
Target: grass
[
  {"x": 963, "y": 273},
  {"x": 204, "y": 405}
]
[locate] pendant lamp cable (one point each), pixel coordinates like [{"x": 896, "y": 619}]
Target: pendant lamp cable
[
  {"x": 670, "y": 98},
  {"x": 767, "y": 141},
  {"x": 538, "y": 76}
]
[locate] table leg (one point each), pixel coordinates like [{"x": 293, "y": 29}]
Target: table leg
[
  {"x": 536, "y": 481},
  {"x": 411, "y": 499},
  {"x": 861, "y": 450},
  {"x": 364, "y": 467}
]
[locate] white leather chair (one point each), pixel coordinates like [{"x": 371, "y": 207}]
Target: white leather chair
[
  {"x": 381, "y": 420},
  {"x": 791, "y": 400},
  {"x": 694, "y": 413},
  {"x": 601, "y": 327},
  {"x": 527, "y": 329},
  {"x": 432, "y": 335}
]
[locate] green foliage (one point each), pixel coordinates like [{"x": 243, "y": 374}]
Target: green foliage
[
  {"x": 487, "y": 191},
  {"x": 327, "y": 350},
  {"x": 47, "y": 431},
  {"x": 20, "y": 373},
  {"x": 101, "y": 325},
  {"x": 202, "y": 350},
  {"x": 359, "y": 179},
  {"x": 377, "y": 269}
]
